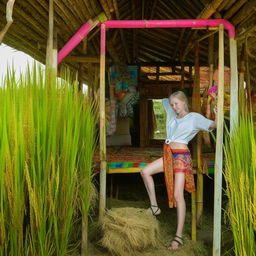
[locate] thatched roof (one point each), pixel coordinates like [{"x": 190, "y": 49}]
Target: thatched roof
[{"x": 29, "y": 30}]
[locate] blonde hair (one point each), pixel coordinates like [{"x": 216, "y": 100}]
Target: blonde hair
[{"x": 181, "y": 96}]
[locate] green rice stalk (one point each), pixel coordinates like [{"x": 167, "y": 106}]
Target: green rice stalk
[
  {"x": 47, "y": 140},
  {"x": 240, "y": 168}
]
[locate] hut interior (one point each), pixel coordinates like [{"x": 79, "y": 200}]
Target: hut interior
[{"x": 148, "y": 64}]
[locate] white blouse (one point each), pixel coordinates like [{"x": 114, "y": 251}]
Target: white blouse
[{"x": 184, "y": 129}]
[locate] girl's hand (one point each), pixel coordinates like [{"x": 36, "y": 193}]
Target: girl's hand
[{"x": 215, "y": 110}]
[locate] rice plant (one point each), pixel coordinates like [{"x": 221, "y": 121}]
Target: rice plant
[
  {"x": 240, "y": 175},
  {"x": 47, "y": 139}
]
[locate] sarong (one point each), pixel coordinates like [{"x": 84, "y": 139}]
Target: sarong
[{"x": 177, "y": 160}]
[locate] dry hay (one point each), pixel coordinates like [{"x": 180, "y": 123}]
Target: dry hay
[{"x": 127, "y": 231}]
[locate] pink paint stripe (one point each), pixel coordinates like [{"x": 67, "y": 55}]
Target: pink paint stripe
[
  {"x": 103, "y": 39},
  {"x": 171, "y": 24},
  {"x": 74, "y": 41}
]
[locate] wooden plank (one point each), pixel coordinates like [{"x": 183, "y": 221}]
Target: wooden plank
[{"x": 218, "y": 166}]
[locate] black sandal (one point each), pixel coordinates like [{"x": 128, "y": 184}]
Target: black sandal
[
  {"x": 154, "y": 213},
  {"x": 179, "y": 242}
]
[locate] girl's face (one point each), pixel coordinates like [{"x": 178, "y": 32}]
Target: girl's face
[{"x": 177, "y": 105}]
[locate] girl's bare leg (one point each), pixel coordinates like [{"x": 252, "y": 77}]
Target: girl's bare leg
[
  {"x": 146, "y": 173},
  {"x": 181, "y": 207}
]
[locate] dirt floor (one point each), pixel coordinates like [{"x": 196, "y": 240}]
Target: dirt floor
[{"x": 131, "y": 193}]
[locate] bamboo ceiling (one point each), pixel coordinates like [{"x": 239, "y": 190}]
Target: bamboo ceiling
[{"x": 29, "y": 30}]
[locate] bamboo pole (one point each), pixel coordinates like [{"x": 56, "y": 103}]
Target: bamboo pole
[
  {"x": 233, "y": 84},
  {"x": 216, "y": 251},
  {"x": 103, "y": 161},
  {"x": 241, "y": 76},
  {"x": 182, "y": 75},
  {"x": 197, "y": 107},
  {"x": 49, "y": 48},
  {"x": 9, "y": 20},
  {"x": 194, "y": 146},
  {"x": 193, "y": 214},
  {"x": 247, "y": 72}
]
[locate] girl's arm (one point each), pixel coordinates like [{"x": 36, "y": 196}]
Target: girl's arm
[{"x": 214, "y": 123}]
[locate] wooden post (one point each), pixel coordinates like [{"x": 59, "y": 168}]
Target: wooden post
[
  {"x": 247, "y": 77},
  {"x": 143, "y": 123},
  {"x": 193, "y": 214},
  {"x": 219, "y": 154},
  {"x": 103, "y": 161},
  {"x": 182, "y": 75},
  {"x": 241, "y": 77},
  {"x": 49, "y": 49},
  {"x": 233, "y": 84},
  {"x": 195, "y": 100}
]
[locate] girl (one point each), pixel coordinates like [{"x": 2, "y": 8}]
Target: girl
[{"x": 181, "y": 127}]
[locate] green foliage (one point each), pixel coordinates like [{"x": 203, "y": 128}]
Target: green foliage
[
  {"x": 160, "y": 118},
  {"x": 240, "y": 175},
  {"x": 47, "y": 142}
]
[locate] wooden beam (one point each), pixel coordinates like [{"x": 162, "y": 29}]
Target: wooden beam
[
  {"x": 143, "y": 9},
  {"x": 164, "y": 64},
  {"x": 153, "y": 9},
  {"x": 205, "y": 14},
  {"x": 210, "y": 9},
  {"x": 206, "y": 36},
  {"x": 223, "y": 5},
  {"x": 111, "y": 49},
  {"x": 218, "y": 166},
  {"x": 105, "y": 7},
  {"x": 81, "y": 59},
  {"x": 246, "y": 11},
  {"x": 178, "y": 45},
  {"x": 122, "y": 33},
  {"x": 110, "y": 6},
  {"x": 135, "y": 46},
  {"x": 234, "y": 9},
  {"x": 146, "y": 83}
]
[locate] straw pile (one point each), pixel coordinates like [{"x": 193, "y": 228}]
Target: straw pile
[{"x": 127, "y": 231}]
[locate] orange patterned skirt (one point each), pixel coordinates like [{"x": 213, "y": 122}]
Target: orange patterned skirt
[{"x": 177, "y": 160}]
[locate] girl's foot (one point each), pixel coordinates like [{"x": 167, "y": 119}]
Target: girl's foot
[
  {"x": 176, "y": 242},
  {"x": 154, "y": 210}
]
